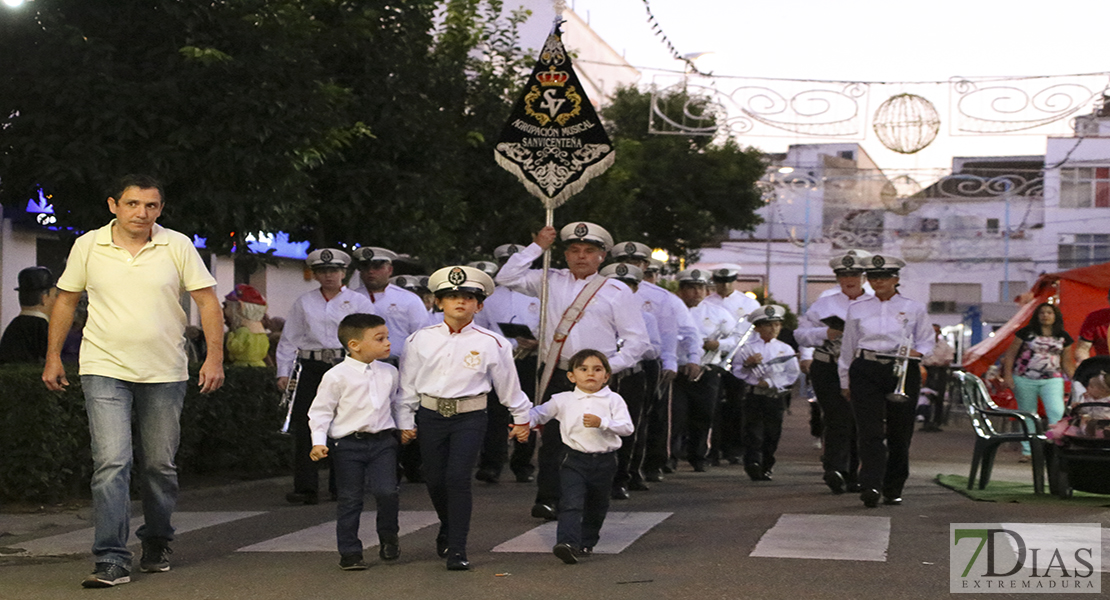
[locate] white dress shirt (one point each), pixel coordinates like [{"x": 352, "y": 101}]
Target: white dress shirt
[
  {"x": 738, "y": 304},
  {"x": 570, "y": 407},
  {"x": 879, "y": 326},
  {"x": 658, "y": 302},
  {"x": 403, "y": 311},
  {"x": 652, "y": 325},
  {"x": 609, "y": 317},
  {"x": 812, "y": 333},
  {"x": 780, "y": 376},
  {"x": 313, "y": 324},
  {"x": 713, "y": 322},
  {"x": 506, "y": 306},
  {"x": 354, "y": 397},
  {"x": 439, "y": 363}
]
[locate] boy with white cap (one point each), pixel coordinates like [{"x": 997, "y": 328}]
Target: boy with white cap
[
  {"x": 310, "y": 346},
  {"x": 447, "y": 370}
]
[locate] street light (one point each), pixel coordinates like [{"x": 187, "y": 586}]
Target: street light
[{"x": 13, "y": 3}]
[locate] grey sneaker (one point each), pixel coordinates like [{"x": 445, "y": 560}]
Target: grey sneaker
[
  {"x": 156, "y": 556},
  {"x": 107, "y": 575}
]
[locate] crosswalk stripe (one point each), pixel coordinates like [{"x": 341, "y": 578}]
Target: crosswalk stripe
[
  {"x": 321, "y": 538},
  {"x": 830, "y": 537},
  {"x": 80, "y": 541},
  {"x": 618, "y": 532}
]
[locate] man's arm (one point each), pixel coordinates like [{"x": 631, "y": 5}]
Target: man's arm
[
  {"x": 61, "y": 319},
  {"x": 1082, "y": 350},
  {"x": 212, "y": 322}
]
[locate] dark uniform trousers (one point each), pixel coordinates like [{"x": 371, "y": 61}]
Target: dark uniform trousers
[
  {"x": 728, "y": 423},
  {"x": 495, "y": 448},
  {"x": 762, "y": 426},
  {"x": 356, "y": 459},
  {"x": 652, "y": 373},
  {"x": 692, "y": 416},
  {"x": 449, "y": 448},
  {"x": 657, "y": 440},
  {"x": 633, "y": 388},
  {"x": 839, "y": 435},
  {"x": 884, "y": 428},
  {"x": 306, "y": 473},
  {"x": 586, "y": 481}
]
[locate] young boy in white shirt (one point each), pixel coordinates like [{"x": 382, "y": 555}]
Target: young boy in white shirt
[
  {"x": 593, "y": 419},
  {"x": 356, "y": 406}
]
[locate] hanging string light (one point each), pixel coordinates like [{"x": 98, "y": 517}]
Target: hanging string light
[{"x": 658, "y": 29}]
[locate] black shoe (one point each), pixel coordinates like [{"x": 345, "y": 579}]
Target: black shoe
[
  {"x": 766, "y": 475},
  {"x": 302, "y": 498},
  {"x": 835, "y": 481},
  {"x": 565, "y": 553},
  {"x": 892, "y": 500},
  {"x": 487, "y": 476},
  {"x": 670, "y": 466},
  {"x": 107, "y": 575},
  {"x": 852, "y": 487},
  {"x": 525, "y": 478},
  {"x": 619, "y": 493},
  {"x": 699, "y": 466},
  {"x": 457, "y": 562},
  {"x": 638, "y": 485},
  {"x": 543, "y": 511},
  {"x": 870, "y": 497},
  {"x": 754, "y": 471},
  {"x": 353, "y": 562},
  {"x": 586, "y": 551},
  {"x": 389, "y": 549},
  {"x": 653, "y": 476},
  {"x": 156, "y": 556},
  {"x": 441, "y": 545}
]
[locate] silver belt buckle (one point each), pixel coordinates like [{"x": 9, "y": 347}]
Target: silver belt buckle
[{"x": 447, "y": 407}]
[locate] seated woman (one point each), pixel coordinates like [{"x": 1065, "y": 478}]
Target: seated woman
[{"x": 1087, "y": 422}]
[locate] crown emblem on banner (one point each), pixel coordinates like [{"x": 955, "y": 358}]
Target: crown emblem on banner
[{"x": 553, "y": 78}]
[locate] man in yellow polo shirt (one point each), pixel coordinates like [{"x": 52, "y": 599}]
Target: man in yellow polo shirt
[{"x": 133, "y": 357}]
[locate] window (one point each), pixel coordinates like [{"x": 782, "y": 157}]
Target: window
[
  {"x": 1016, "y": 289},
  {"x": 992, "y": 225},
  {"x": 748, "y": 284},
  {"x": 953, "y": 297},
  {"x": 1086, "y": 250},
  {"x": 1085, "y": 187},
  {"x": 815, "y": 287}
]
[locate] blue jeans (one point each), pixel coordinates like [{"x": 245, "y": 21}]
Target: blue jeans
[
  {"x": 157, "y": 411},
  {"x": 1051, "y": 392},
  {"x": 357, "y": 459}
]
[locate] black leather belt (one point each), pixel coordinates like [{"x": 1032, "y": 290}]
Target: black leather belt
[{"x": 872, "y": 356}]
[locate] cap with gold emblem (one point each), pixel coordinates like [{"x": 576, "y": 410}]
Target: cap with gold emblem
[
  {"x": 459, "y": 278},
  {"x": 506, "y": 250},
  {"x": 373, "y": 254},
  {"x": 883, "y": 265},
  {"x": 693, "y": 276},
  {"x": 654, "y": 266},
  {"x": 852, "y": 261},
  {"x": 591, "y": 233},
  {"x": 485, "y": 266},
  {"x": 726, "y": 273},
  {"x": 328, "y": 258},
  {"x": 634, "y": 250},
  {"x": 766, "y": 314},
  {"x": 630, "y": 274},
  {"x": 413, "y": 283}
]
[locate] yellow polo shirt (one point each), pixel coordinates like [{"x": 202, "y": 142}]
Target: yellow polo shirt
[{"x": 136, "y": 326}]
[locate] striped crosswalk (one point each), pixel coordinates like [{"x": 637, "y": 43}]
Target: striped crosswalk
[
  {"x": 618, "y": 532},
  {"x": 830, "y": 537},
  {"x": 321, "y": 538}
]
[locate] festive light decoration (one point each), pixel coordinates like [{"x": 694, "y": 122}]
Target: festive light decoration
[{"x": 906, "y": 123}]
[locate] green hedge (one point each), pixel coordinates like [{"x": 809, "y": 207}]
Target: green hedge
[{"x": 45, "y": 451}]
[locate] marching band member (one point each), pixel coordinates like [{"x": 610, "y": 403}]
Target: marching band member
[
  {"x": 821, "y": 328},
  {"x": 697, "y": 388},
  {"x": 728, "y": 423},
  {"x": 876, "y": 329},
  {"x": 770, "y": 368},
  {"x": 588, "y": 311},
  {"x": 310, "y": 346},
  {"x": 447, "y": 370}
]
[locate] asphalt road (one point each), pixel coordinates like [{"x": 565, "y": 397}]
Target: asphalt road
[{"x": 702, "y": 550}]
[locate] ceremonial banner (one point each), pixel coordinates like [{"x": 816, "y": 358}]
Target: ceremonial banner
[{"x": 554, "y": 141}]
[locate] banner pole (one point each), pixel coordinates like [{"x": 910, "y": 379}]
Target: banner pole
[{"x": 549, "y": 222}]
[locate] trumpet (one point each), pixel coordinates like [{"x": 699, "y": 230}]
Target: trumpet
[
  {"x": 761, "y": 370},
  {"x": 902, "y": 361},
  {"x": 287, "y": 396},
  {"x": 712, "y": 358}
]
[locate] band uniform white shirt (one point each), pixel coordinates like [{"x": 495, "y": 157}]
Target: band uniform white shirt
[
  {"x": 779, "y": 376},
  {"x": 570, "y": 407},
  {"x": 403, "y": 311},
  {"x": 355, "y": 397},
  {"x": 658, "y": 302},
  {"x": 738, "y": 304},
  {"x": 712, "y": 321},
  {"x": 506, "y": 306},
  {"x": 879, "y": 326},
  {"x": 812, "y": 333},
  {"x": 612, "y": 314},
  {"x": 437, "y": 362},
  {"x": 313, "y": 324}
]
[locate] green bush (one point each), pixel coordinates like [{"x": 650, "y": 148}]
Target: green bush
[{"x": 45, "y": 452}]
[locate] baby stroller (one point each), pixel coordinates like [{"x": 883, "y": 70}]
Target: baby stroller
[{"x": 1079, "y": 458}]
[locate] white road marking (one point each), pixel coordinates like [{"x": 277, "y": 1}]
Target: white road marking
[
  {"x": 321, "y": 538},
  {"x": 618, "y": 532},
  {"x": 829, "y": 537}
]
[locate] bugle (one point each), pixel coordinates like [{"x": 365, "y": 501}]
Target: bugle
[{"x": 287, "y": 396}]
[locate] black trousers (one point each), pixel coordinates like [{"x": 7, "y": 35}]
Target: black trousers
[
  {"x": 306, "y": 473},
  {"x": 633, "y": 388},
  {"x": 692, "y": 411},
  {"x": 762, "y": 428},
  {"x": 884, "y": 427},
  {"x": 586, "y": 482},
  {"x": 495, "y": 448},
  {"x": 652, "y": 374},
  {"x": 839, "y": 438},
  {"x": 657, "y": 443},
  {"x": 358, "y": 460},
  {"x": 728, "y": 422},
  {"x": 449, "y": 450}
]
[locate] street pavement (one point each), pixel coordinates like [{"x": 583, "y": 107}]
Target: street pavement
[{"x": 695, "y": 535}]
